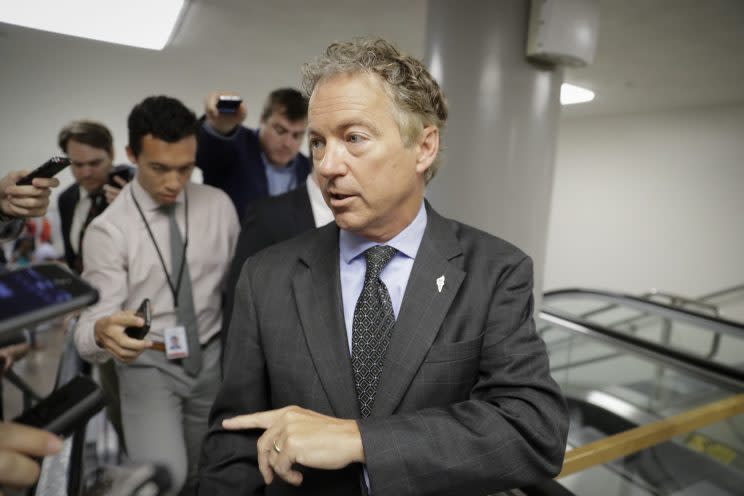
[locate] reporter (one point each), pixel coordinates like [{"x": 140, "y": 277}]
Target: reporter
[
  {"x": 25, "y": 201},
  {"x": 18, "y": 443}
]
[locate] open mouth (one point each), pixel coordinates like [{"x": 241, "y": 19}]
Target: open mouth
[{"x": 338, "y": 199}]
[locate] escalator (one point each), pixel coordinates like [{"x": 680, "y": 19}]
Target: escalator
[{"x": 625, "y": 362}]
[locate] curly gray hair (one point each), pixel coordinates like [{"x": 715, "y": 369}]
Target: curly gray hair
[{"x": 417, "y": 99}]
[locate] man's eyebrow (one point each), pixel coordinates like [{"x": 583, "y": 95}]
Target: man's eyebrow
[
  {"x": 345, "y": 124},
  {"x": 87, "y": 162},
  {"x": 180, "y": 166}
]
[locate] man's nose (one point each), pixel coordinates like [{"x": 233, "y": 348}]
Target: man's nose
[
  {"x": 173, "y": 181},
  {"x": 332, "y": 162}
]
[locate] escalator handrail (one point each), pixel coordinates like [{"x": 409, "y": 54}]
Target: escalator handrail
[
  {"x": 721, "y": 292},
  {"x": 639, "y": 438},
  {"x": 727, "y": 377},
  {"x": 710, "y": 322}
]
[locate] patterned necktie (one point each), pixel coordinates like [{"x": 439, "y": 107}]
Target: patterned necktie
[
  {"x": 371, "y": 329},
  {"x": 185, "y": 312},
  {"x": 97, "y": 205}
]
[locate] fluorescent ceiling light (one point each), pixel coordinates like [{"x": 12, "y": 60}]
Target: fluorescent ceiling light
[
  {"x": 571, "y": 94},
  {"x": 140, "y": 23}
]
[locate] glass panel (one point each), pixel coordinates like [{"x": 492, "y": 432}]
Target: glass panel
[
  {"x": 610, "y": 391},
  {"x": 722, "y": 348}
]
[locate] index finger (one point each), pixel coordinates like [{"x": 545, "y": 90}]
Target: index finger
[
  {"x": 28, "y": 440},
  {"x": 210, "y": 102},
  {"x": 45, "y": 182},
  {"x": 127, "y": 318},
  {"x": 258, "y": 420}
]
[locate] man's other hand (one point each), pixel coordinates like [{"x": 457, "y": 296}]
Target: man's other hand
[
  {"x": 112, "y": 192},
  {"x": 110, "y": 335},
  {"x": 18, "y": 443},
  {"x": 296, "y": 435},
  {"x": 222, "y": 123},
  {"x": 25, "y": 201}
]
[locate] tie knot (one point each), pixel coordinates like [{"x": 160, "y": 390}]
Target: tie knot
[
  {"x": 168, "y": 210},
  {"x": 377, "y": 258}
]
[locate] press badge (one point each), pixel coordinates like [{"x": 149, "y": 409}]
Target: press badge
[{"x": 176, "y": 345}]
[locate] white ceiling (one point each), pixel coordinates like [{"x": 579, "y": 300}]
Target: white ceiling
[
  {"x": 652, "y": 54},
  {"x": 664, "y": 54}
]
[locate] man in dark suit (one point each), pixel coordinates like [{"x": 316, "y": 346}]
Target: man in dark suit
[
  {"x": 393, "y": 351},
  {"x": 90, "y": 148},
  {"x": 250, "y": 164},
  {"x": 269, "y": 221}
]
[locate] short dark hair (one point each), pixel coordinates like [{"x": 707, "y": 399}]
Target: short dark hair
[
  {"x": 89, "y": 133},
  {"x": 163, "y": 117},
  {"x": 288, "y": 101}
]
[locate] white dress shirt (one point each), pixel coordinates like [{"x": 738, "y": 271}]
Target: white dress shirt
[
  {"x": 82, "y": 207},
  {"x": 321, "y": 211},
  {"x": 121, "y": 261}
]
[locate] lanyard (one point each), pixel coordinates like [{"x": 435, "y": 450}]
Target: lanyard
[{"x": 174, "y": 289}]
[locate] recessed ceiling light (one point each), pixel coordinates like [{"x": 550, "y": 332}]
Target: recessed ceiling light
[
  {"x": 571, "y": 94},
  {"x": 140, "y": 23}
]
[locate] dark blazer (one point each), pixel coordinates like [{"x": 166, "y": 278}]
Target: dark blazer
[
  {"x": 465, "y": 404},
  {"x": 66, "y": 205},
  {"x": 267, "y": 222},
  {"x": 234, "y": 165}
]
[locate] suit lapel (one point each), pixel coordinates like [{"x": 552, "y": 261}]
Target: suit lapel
[
  {"x": 317, "y": 291},
  {"x": 422, "y": 311}
]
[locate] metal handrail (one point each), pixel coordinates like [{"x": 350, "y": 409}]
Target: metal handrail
[
  {"x": 710, "y": 322},
  {"x": 722, "y": 292},
  {"x": 724, "y": 376},
  {"x": 679, "y": 300}
]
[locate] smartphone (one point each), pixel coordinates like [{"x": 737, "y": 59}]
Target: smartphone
[
  {"x": 66, "y": 409},
  {"x": 40, "y": 292},
  {"x": 47, "y": 169},
  {"x": 124, "y": 173},
  {"x": 145, "y": 312},
  {"x": 228, "y": 104}
]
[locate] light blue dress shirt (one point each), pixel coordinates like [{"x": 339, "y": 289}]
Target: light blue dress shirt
[
  {"x": 395, "y": 275},
  {"x": 280, "y": 180}
]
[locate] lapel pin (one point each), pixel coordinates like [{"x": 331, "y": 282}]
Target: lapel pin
[{"x": 440, "y": 283}]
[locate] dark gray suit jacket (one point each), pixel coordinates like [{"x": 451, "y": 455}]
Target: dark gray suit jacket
[
  {"x": 267, "y": 222},
  {"x": 465, "y": 405}
]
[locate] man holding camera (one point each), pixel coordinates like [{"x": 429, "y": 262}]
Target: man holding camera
[
  {"x": 168, "y": 240},
  {"x": 250, "y": 164},
  {"x": 90, "y": 148},
  {"x": 19, "y": 444}
]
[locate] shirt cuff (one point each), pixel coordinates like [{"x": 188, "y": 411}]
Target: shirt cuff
[{"x": 85, "y": 342}]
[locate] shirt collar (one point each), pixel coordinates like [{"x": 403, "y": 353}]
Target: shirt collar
[
  {"x": 285, "y": 169},
  {"x": 144, "y": 199},
  {"x": 321, "y": 212},
  {"x": 83, "y": 193},
  {"x": 407, "y": 241}
]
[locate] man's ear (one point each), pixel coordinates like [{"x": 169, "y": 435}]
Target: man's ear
[
  {"x": 428, "y": 147},
  {"x": 130, "y": 155}
]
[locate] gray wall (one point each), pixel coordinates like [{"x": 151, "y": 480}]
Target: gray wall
[{"x": 646, "y": 201}]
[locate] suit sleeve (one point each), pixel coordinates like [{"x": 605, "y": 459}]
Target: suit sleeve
[
  {"x": 509, "y": 433},
  {"x": 229, "y": 462}
]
